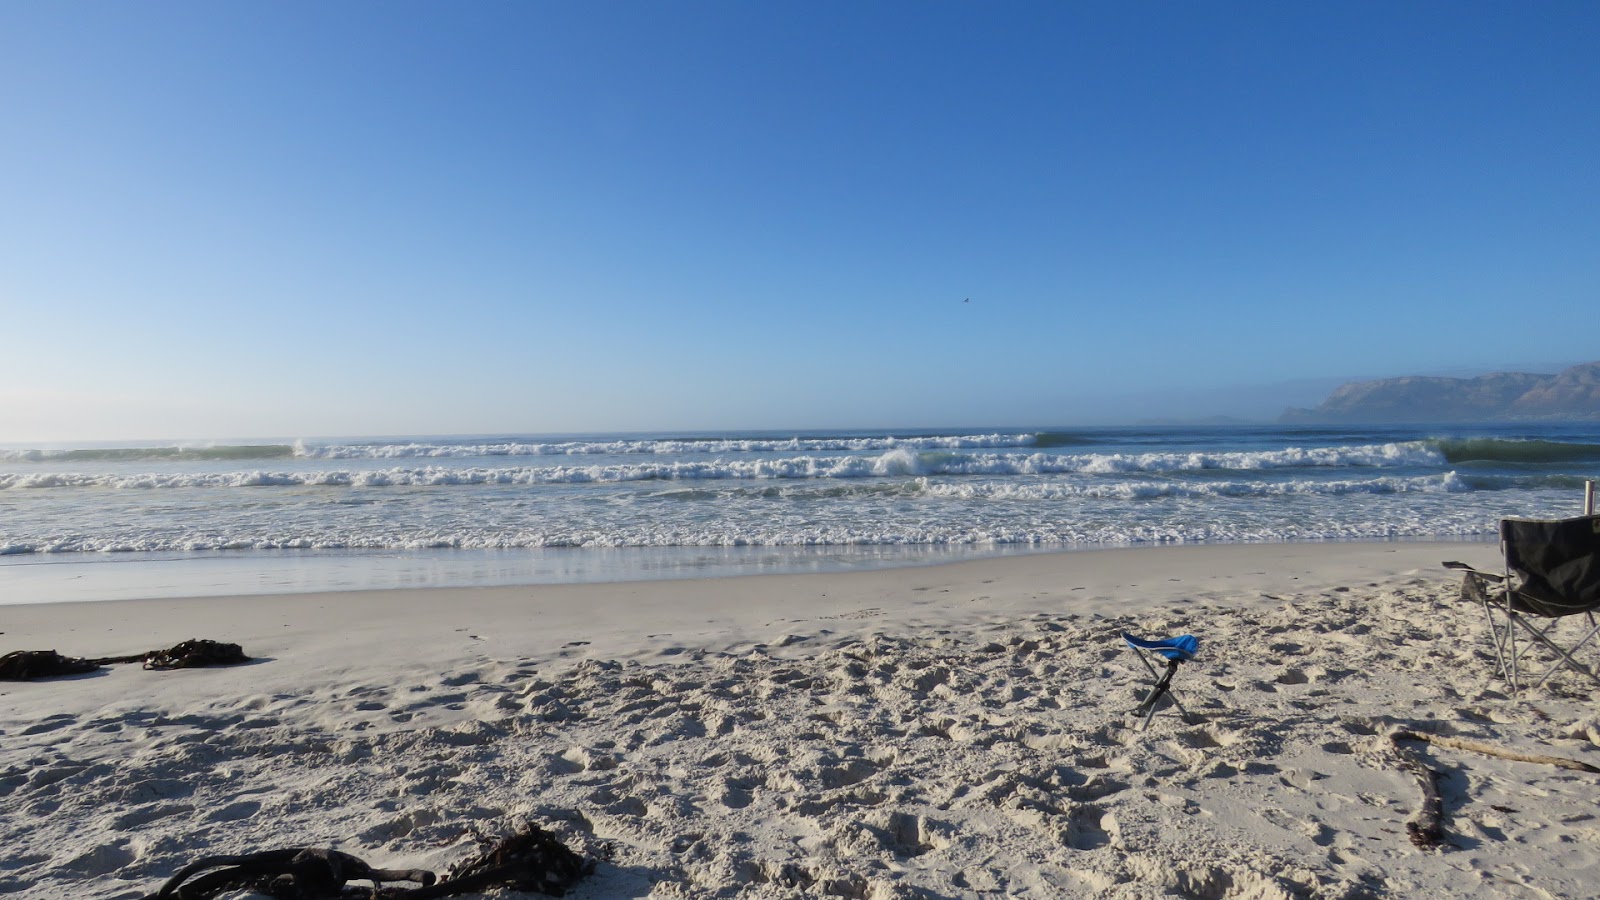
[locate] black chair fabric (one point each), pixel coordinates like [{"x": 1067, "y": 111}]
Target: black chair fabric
[{"x": 1556, "y": 562}]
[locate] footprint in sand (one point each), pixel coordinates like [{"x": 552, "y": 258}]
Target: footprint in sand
[
  {"x": 846, "y": 771},
  {"x": 579, "y": 759},
  {"x": 619, "y": 805},
  {"x": 907, "y": 834},
  {"x": 1090, "y": 827},
  {"x": 1320, "y": 834},
  {"x": 1300, "y": 779},
  {"x": 99, "y": 861},
  {"x": 50, "y": 723},
  {"x": 1096, "y": 787},
  {"x": 233, "y": 812},
  {"x": 401, "y": 825},
  {"x": 1208, "y": 738},
  {"x": 1363, "y": 729},
  {"x": 144, "y": 815},
  {"x": 462, "y": 678},
  {"x": 736, "y": 793}
]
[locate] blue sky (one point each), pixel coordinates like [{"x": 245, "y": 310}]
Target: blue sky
[{"x": 309, "y": 219}]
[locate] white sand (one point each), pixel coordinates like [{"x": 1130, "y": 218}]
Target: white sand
[{"x": 952, "y": 731}]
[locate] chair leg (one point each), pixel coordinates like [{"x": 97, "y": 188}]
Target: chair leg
[
  {"x": 1508, "y": 650},
  {"x": 1163, "y": 688},
  {"x": 1498, "y": 641},
  {"x": 1182, "y": 713},
  {"x": 1147, "y": 667},
  {"x": 1514, "y": 651},
  {"x": 1567, "y": 660},
  {"x": 1148, "y": 717},
  {"x": 1511, "y": 631},
  {"x": 1498, "y": 634}
]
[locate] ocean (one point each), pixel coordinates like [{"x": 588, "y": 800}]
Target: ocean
[{"x": 94, "y": 522}]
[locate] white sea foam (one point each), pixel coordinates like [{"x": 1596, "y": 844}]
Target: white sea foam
[
  {"x": 1390, "y": 454},
  {"x": 970, "y": 489},
  {"x": 956, "y": 530},
  {"x": 1412, "y": 453},
  {"x": 657, "y": 447},
  {"x": 894, "y": 462},
  {"x": 1448, "y": 482}
]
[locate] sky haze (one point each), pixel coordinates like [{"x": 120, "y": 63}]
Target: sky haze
[{"x": 297, "y": 219}]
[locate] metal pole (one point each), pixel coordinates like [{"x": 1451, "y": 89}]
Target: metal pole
[{"x": 1588, "y": 498}]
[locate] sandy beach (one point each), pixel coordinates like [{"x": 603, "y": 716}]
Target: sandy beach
[{"x": 947, "y": 731}]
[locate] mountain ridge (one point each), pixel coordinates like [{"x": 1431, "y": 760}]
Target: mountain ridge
[{"x": 1572, "y": 393}]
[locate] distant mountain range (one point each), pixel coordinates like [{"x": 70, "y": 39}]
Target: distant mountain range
[{"x": 1502, "y": 396}]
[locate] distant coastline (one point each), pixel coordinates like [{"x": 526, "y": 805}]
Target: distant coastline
[{"x": 1572, "y": 394}]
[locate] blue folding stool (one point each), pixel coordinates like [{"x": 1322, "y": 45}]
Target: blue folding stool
[{"x": 1176, "y": 651}]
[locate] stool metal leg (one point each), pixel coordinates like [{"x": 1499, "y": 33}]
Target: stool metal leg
[{"x": 1162, "y": 688}]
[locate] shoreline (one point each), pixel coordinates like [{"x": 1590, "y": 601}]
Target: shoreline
[
  {"x": 952, "y": 731},
  {"x": 1099, "y": 581},
  {"x": 100, "y": 577}
]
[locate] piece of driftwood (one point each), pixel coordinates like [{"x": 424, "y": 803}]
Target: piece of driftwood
[
  {"x": 1491, "y": 750},
  {"x": 1425, "y": 827},
  {"x": 532, "y": 859},
  {"x": 26, "y": 665}
]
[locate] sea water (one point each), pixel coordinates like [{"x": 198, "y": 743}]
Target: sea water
[{"x": 89, "y": 522}]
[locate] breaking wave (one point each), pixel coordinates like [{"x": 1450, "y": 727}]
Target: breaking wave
[
  {"x": 1448, "y": 482},
  {"x": 468, "y": 449},
  {"x": 134, "y": 454},
  {"x": 897, "y": 462},
  {"x": 1500, "y": 450},
  {"x": 663, "y": 447}
]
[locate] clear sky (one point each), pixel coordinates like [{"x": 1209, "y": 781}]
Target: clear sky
[{"x": 314, "y": 219}]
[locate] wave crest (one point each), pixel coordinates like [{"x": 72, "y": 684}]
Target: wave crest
[
  {"x": 1516, "y": 451},
  {"x": 895, "y": 462}
]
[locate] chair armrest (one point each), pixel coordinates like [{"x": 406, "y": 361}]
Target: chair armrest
[{"x": 1454, "y": 564}]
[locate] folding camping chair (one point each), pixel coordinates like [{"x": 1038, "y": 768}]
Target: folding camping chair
[
  {"x": 1176, "y": 650},
  {"x": 1552, "y": 572}
]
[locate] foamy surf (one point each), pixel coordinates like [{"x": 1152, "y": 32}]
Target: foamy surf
[{"x": 972, "y": 488}]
